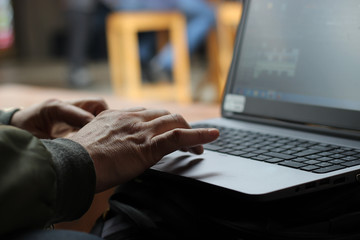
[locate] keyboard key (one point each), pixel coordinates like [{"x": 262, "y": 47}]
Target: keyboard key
[
  {"x": 298, "y": 149},
  {"x": 349, "y": 158},
  {"x": 279, "y": 155},
  {"x": 337, "y": 150},
  {"x": 329, "y": 169},
  {"x": 349, "y": 153},
  {"x": 260, "y": 151},
  {"x": 274, "y": 160},
  {"x": 314, "y": 156},
  {"x": 276, "y": 145},
  {"x": 324, "y": 159},
  {"x": 249, "y": 149},
  {"x": 231, "y": 145},
  {"x": 225, "y": 150},
  {"x": 248, "y": 155},
  {"x": 292, "y": 164},
  {"x": 306, "y": 145},
  {"x": 306, "y": 153},
  {"x": 268, "y": 148},
  {"x": 324, "y": 164},
  {"x": 212, "y": 147},
  {"x": 325, "y": 154},
  {"x": 310, "y": 167},
  {"x": 277, "y": 150},
  {"x": 321, "y": 148},
  {"x": 300, "y": 159},
  {"x": 261, "y": 157},
  {"x": 239, "y": 147},
  {"x": 336, "y": 161},
  {"x": 351, "y": 163},
  {"x": 258, "y": 145},
  {"x": 237, "y": 153},
  {"x": 337, "y": 155},
  {"x": 312, "y": 162},
  {"x": 289, "y": 152}
]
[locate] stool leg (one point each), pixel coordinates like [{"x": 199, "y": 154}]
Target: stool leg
[
  {"x": 213, "y": 73},
  {"x": 181, "y": 60},
  {"x": 115, "y": 55},
  {"x": 132, "y": 69}
]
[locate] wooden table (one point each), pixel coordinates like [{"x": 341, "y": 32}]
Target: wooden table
[{"x": 18, "y": 95}]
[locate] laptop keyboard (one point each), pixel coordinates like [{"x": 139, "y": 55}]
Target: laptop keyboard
[{"x": 286, "y": 151}]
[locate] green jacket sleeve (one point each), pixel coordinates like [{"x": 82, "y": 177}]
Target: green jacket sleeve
[{"x": 42, "y": 181}]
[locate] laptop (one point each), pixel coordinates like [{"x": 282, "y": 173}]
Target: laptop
[{"x": 290, "y": 114}]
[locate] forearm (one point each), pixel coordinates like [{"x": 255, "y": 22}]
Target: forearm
[{"x": 42, "y": 182}]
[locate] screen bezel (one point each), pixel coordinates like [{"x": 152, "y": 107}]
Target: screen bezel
[{"x": 284, "y": 111}]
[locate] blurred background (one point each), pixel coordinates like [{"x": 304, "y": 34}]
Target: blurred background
[{"x": 120, "y": 47}]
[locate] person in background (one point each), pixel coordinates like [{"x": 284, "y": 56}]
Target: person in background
[
  {"x": 78, "y": 16},
  {"x": 47, "y": 178},
  {"x": 200, "y": 18},
  {"x": 6, "y": 25}
]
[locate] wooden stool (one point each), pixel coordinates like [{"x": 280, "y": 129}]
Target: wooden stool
[
  {"x": 220, "y": 44},
  {"x": 123, "y": 49},
  {"x": 228, "y": 18}
]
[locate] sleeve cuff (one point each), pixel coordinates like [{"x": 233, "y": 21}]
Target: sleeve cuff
[
  {"x": 5, "y": 116},
  {"x": 76, "y": 178}
]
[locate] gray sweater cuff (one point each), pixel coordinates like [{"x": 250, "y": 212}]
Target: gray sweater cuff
[
  {"x": 75, "y": 178},
  {"x": 5, "y": 116}
]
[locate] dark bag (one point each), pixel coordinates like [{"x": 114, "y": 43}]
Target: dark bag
[{"x": 159, "y": 207}]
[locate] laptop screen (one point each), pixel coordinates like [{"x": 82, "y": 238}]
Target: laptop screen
[{"x": 302, "y": 52}]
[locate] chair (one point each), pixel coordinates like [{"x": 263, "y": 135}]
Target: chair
[{"x": 122, "y": 35}]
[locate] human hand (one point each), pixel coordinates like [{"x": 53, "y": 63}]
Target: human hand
[
  {"x": 54, "y": 118},
  {"x": 125, "y": 143}
]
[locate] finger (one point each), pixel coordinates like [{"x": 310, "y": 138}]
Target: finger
[
  {"x": 91, "y": 105},
  {"x": 60, "y": 130},
  {"x": 196, "y": 150},
  {"x": 166, "y": 123},
  {"x": 73, "y": 116},
  {"x": 182, "y": 138}
]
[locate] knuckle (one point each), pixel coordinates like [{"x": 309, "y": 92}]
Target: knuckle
[
  {"x": 166, "y": 112},
  {"x": 128, "y": 116},
  {"x": 177, "y": 118},
  {"x": 176, "y": 136},
  {"x": 131, "y": 114},
  {"x": 135, "y": 127},
  {"x": 52, "y": 101},
  {"x": 106, "y": 113},
  {"x": 140, "y": 139},
  {"x": 51, "y": 106},
  {"x": 134, "y": 109},
  {"x": 99, "y": 99},
  {"x": 99, "y": 103}
]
